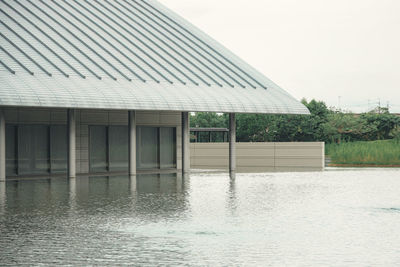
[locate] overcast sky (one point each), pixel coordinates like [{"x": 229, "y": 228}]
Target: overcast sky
[{"x": 322, "y": 49}]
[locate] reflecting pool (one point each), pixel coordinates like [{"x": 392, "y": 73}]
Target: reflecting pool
[{"x": 338, "y": 217}]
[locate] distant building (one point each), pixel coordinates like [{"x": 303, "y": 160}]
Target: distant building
[
  {"x": 106, "y": 86},
  {"x": 207, "y": 135}
]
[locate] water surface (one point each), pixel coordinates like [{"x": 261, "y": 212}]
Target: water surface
[{"x": 337, "y": 217}]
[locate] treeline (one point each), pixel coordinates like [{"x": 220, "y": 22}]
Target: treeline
[{"x": 323, "y": 124}]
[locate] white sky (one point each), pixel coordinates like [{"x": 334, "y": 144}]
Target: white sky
[{"x": 322, "y": 49}]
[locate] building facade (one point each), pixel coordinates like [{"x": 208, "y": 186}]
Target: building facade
[
  {"x": 92, "y": 87},
  {"x": 37, "y": 141}
]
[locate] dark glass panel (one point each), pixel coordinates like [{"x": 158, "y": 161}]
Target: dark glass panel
[
  {"x": 11, "y": 153},
  {"x": 167, "y": 147},
  {"x": 98, "y": 148},
  {"x": 41, "y": 149},
  {"x": 33, "y": 149},
  {"x": 58, "y": 148},
  {"x": 24, "y": 149},
  {"x": 147, "y": 148},
  {"x": 118, "y": 145}
]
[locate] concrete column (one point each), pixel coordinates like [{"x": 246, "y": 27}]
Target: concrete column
[
  {"x": 132, "y": 142},
  {"x": 2, "y": 146},
  {"x": 71, "y": 144},
  {"x": 232, "y": 142},
  {"x": 185, "y": 143}
]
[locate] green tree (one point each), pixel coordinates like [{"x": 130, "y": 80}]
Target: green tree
[
  {"x": 322, "y": 125},
  {"x": 346, "y": 127},
  {"x": 385, "y": 124},
  {"x": 208, "y": 119},
  {"x": 253, "y": 128}
]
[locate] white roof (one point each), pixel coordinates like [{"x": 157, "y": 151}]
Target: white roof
[{"x": 123, "y": 54}]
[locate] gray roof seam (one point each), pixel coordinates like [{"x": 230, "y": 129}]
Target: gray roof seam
[
  {"x": 79, "y": 39},
  {"x": 167, "y": 37},
  {"x": 146, "y": 45},
  {"x": 210, "y": 61}
]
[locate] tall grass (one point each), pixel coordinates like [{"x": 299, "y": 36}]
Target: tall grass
[{"x": 384, "y": 152}]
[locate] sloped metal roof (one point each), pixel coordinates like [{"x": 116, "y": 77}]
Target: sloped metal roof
[{"x": 123, "y": 54}]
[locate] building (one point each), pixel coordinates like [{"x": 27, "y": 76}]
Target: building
[
  {"x": 106, "y": 86},
  {"x": 208, "y": 135}
]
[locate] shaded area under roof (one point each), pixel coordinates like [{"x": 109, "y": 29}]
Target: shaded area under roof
[{"x": 123, "y": 54}]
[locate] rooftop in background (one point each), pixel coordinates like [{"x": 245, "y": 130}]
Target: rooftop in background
[{"x": 124, "y": 55}]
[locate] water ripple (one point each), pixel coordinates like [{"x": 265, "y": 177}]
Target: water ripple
[{"x": 334, "y": 218}]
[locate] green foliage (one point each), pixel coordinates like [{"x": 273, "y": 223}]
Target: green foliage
[
  {"x": 209, "y": 119},
  {"x": 366, "y": 127},
  {"x": 381, "y": 152},
  {"x": 260, "y": 127},
  {"x": 347, "y": 127},
  {"x": 322, "y": 125},
  {"x": 395, "y": 133},
  {"x": 385, "y": 123}
]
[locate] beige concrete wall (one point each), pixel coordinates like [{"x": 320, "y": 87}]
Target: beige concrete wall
[
  {"x": 254, "y": 157},
  {"x": 85, "y": 118}
]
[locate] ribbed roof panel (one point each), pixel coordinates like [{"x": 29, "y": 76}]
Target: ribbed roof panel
[{"x": 123, "y": 54}]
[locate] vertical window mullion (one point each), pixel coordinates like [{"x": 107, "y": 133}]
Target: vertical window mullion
[{"x": 98, "y": 161}]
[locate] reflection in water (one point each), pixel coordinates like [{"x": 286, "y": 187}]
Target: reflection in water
[
  {"x": 72, "y": 193},
  {"x": 327, "y": 218},
  {"x": 2, "y": 197},
  {"x": 84, "y": 192},
  {"x": 232, "y": 200},
  {"x": 133, "y": 183}
]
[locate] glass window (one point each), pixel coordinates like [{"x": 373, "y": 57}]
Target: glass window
[
  {"x": 109, "y": 148},
  {"x": 119, "y": 150},
  {"x": 98, "y": 148},
  {"x": 24, "y": 148},
  {"x": 156, "y": 147},
  {"x": 11, "y": 153},
  {"x": 147, "y": 148},
  {"x": 41, "y": 149},
  {"x": 33, "y": 149},
  {"x": 36, "y": 149},
  {"x": 167, "y": 147},
  {"x": 58, "y": 148}
]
